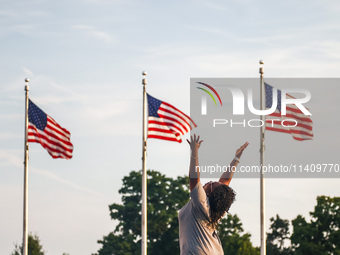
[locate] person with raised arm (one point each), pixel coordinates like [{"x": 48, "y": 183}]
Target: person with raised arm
[{"x": 199, "y": 218}]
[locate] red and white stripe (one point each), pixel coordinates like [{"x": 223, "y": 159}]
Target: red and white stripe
[
  {"x": 302, "y": 131},
  {"x": 54, "y": 138},
  {"x": 171, "y": 125}
]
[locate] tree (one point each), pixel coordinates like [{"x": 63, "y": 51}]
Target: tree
[
  {"x": 34, "y": 246},
  {"x": 277, "y": 237},
  {"x": 233, "y": 242},
  {"x": 322, "y": 234},
  {"x": 165, "y": 197}
]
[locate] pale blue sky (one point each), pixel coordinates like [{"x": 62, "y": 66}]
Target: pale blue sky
[{"x": 85, "y": 59}]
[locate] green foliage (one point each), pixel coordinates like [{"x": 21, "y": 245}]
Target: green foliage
[
  {"x": 322, "y": 234},
  {"x": 233, "y": 242},
  {"x": 34, "y": 246},
  {"x": 277, "y": 237},
  {"x": 166, "y": 196}
]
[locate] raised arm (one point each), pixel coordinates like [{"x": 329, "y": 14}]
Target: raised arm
[
  {"x": 228, "y": 175},
  {"x": 194, "y": 176}
]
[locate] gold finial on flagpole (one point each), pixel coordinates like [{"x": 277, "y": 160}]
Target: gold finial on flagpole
[
  {"x": 144, "y": 82},
  {"x": 27, "y": 88},
  {"x": 261, "y": 67}
]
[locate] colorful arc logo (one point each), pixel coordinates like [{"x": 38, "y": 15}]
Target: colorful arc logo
[{"x": 209, "y": 93}]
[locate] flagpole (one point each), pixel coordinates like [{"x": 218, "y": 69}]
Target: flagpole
[
  {"x": 25, "y": 216},
  {"x": 144, "y": 174},
  {"x": 262, "y": 182}
]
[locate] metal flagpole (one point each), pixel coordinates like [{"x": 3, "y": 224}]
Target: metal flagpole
[
  {"x": 262, "y": 183},
  {"x": 144, "y": 174},
  {"x": 25, "y": 223}
]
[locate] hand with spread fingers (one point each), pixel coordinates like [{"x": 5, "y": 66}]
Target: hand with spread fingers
[
  {"x": 194, "y": 142},
  {"x": 241, "y": 149}
]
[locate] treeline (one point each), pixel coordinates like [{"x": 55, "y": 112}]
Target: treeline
[
  {"x": 319, "y": 236},
  {"x": 166, "y": 196}
]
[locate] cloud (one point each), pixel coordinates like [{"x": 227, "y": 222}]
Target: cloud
[
  {"x": 64, "y": 181},
  {"x": 27, "y": 71},
  {"x": 7, "y": 158},
  {"x": 5, "y": 136},
  {"x": 10, "y": 159},
  {"x": 93, "y": 32},
  {"x": 43, "y": 85}
]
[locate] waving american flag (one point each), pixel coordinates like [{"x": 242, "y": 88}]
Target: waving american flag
[
  {"x": 301, "y": 128},
  {"x": 45, "y": 130},
  {"x": 166, "y": 121}
]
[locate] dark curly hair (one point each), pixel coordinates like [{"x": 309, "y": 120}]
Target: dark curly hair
[{"x": 220, "y": 201}]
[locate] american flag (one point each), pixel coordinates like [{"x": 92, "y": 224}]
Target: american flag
[
  {"x": 304, "y": 128},
  {"x": 45, "y": 130},
  {"x": 166, "y": 121}
]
